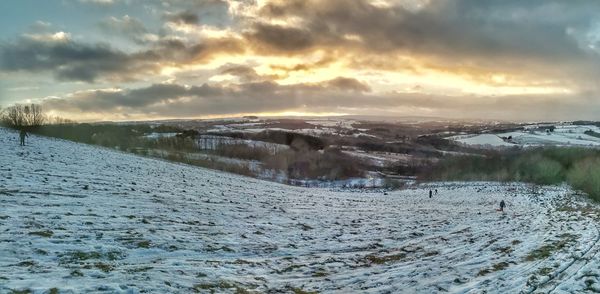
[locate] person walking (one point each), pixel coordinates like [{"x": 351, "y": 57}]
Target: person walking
[
  {"x": 502, "y": 205},
  {"x": 23, "y": 134},
  {"x": 430, "y": 193}
]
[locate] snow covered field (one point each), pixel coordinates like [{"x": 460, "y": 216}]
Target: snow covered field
[
  {"x": 85, "y": 219},
  {"x": 490, "y": 140},
  {"x": 563, "y": 135}
]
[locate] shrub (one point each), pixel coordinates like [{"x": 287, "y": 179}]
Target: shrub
[
  {"x": 585, "y": 176},
  {"x": 539, "y": 169},
  {"x": 329, "y": 164},
  {"x": 243, "y": 151},
  {"x": 579, "y": 167}
]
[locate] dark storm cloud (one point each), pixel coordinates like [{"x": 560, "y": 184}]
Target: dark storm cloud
[
  {"x": 250, "y": 96},
  {"x": 278, "y": 37},
  {"x": 342, "y": 83},
  {"x": 72, "y": 60},
  {"x": 185, "y": 17},
  {"x": 110, "y": 100}
]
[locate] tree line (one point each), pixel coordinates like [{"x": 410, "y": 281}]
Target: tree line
[{"x": 28, "y": 116}]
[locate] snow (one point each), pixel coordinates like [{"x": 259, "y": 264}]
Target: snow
[
  {"x": 556, "y": 138},
  {"x": 321, "y": 128},
  {"x": 159, "y": 135},
  {"x": 563, "y": 135},
  {"x": 334, "y": 123},
  {"x": 482, "y": 140},
  {"x": 87, "y": 219},
  {"x": 380, "y": 159},
  {"x": 211, "y": 142}
]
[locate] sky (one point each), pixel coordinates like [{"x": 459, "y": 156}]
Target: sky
[{"x": 101, "y": 60}]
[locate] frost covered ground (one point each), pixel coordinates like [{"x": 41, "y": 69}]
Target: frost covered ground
[
  {"x": 84, "y": 219},
  {"x": 563, "y": 135}
]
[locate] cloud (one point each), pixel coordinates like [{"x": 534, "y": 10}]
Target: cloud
[
  {"x": 128, "y": 27},
  {"x": 99, "y": 2},
  {"x": 68, "y": 60},
  {"x": 184, "y": 17},
  {"x": 280, "y": 38},
  {"x": 194, "y": 12},
  {"x": 342, "y": 83},
  {"x": 243, "y": 72},
  {"x": 494, "y": 36},
  {"x": 371, "y": 54},
  {"x": 340, "y": 95},
  {"x": 206, "y": 99},
  {"x": 71, "y": 60}
]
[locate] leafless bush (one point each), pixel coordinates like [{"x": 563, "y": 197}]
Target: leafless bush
[
  {"x": 57, "y": 120},
  {"x": 243, "y": 151},
  {"x": 329, "y": 164}
]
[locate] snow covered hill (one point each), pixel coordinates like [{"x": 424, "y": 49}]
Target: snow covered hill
[
  {"x": 78, "y": 218},
  {"x": 532, "y": 136}
]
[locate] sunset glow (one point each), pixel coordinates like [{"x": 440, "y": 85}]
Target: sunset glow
[{"x": 297, "y": 57}]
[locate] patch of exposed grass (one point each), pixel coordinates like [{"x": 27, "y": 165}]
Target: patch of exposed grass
[
  {"x": 41, "y": 252},
  {"x": 239, "y": 290},
  {"x": 540, "y": 253},
  {"x": 26, "y": 263},
  {"x": 301, "y": 291},
  {"x": 499, "y": 266},
  {"x": 223, "y": 248},
  {"x": 46, "y": 233},
  {"x": 546, "y": 250},
  {"x": 496, "y": 267},
  {"x": 22, "y": 291},
  {"x": 504, "y": 250},
  {"x": 139, "y": 269},
  {"x": 305, "y": 227},
  {"x": 545, "y": 271},
  {"x": 242, "y": 261},
  {"x": 373, "y": 259},
  {"x": 218, "y": 287},
  {"x": 114, "y": 255},
  {"x": 290, "y": 268},
  {"x": 105, "y": 267},
  {"x": 143, "y": 244},
  {"x": 431, "y": 253},
  {"x": 82, "y": 256}
]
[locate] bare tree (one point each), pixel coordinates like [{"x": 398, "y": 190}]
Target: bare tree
[
  {"x": 34, "y": 116},
  {"x": 57, "y": 120},
  {"x": 13, "y": 116},
  {"x": 20, "y": 115}
]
